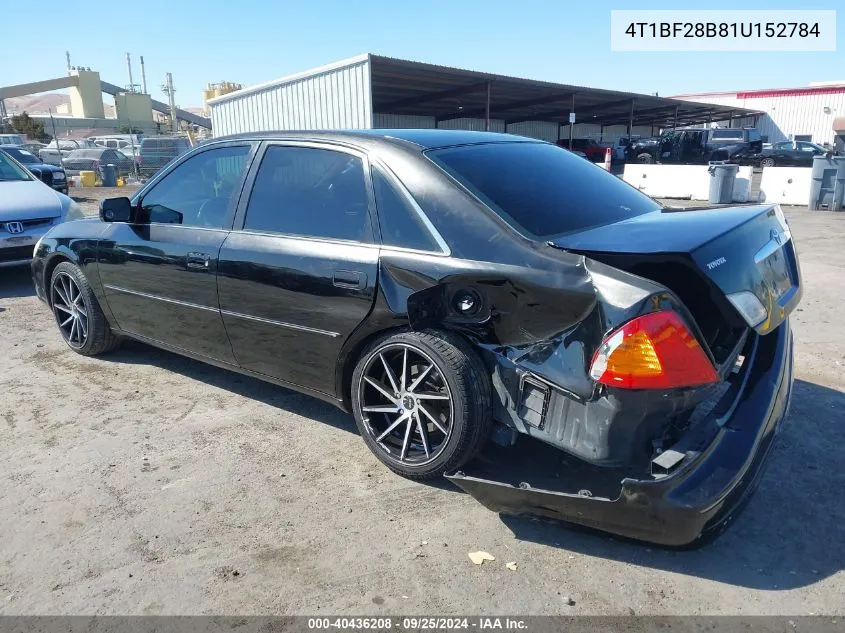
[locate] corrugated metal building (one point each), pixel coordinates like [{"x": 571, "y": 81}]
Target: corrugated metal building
[
  {"x": 811, "y": 113},
  {"x": 371, "y": 91}
]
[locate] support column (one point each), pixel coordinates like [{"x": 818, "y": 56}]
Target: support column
[
  {"x": 631, "y": 119},
  {"x": 487, "y": 110},
  {"x": 675, "y": 119},
  {"x": 571, "y": 109}
]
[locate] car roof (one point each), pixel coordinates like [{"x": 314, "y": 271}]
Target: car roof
[{"x": 422, "y": 138}]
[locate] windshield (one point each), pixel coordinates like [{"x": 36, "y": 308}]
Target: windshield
[
  {"x": 10, "y": 170},
  {"x": 21, "y": 155},
  {"x": 541, "y": 189}
]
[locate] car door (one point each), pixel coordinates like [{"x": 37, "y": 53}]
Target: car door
[
  {"x": 298, "y": 274},
  {"x": 781, "y": 153},
  {"x": 159, "y": 270},
  {"x": 806, "y": 152}
]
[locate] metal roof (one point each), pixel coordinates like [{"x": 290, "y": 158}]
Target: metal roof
[
  {"x": 401, "y": 86},
  {"x": 406, "y": 87}
]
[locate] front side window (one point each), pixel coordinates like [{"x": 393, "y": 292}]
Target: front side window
[
  {"x": 540, "y": 188},
  {"x": 784, "y": 146},
  {"x": 400, "y": 224},
  {"x": 310, "y": 192},
  {"x": 197, "y": 192}
]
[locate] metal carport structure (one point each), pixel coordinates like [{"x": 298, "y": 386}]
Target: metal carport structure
[{"x": 373, "y": 91}]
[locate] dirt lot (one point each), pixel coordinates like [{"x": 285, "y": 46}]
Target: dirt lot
[{"x": 143, "y": 482}]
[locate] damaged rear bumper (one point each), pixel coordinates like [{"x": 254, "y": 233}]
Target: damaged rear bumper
[{"x": 696, "y": 501}]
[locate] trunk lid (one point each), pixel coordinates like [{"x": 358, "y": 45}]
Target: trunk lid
[{"x": 733, "y": 249}]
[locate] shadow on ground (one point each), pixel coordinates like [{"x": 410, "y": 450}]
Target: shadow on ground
[
  {"x": 16, "y": 281},
  {"x": 132, "y": 352},
  {"x": 791, "y": 534}
]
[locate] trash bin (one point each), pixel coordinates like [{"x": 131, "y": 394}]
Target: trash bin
[
  {"x": 722, "y": 178},
  {"x": 108, "y": 175},
  {"x": 827, "y": 186}
]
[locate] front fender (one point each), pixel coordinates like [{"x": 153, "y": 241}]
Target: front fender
[{"x": 76, "y": 242}]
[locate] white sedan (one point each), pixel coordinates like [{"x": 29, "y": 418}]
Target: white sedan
[{"x": 28, "y": 208}]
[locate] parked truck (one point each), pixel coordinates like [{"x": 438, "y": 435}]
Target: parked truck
[{"x": 696, "y": 146}]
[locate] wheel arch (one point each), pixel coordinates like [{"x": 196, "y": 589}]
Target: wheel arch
[{"x": 49, "y": 266}]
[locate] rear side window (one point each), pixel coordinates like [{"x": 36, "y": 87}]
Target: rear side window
[
  {"x": 542, "y": 189},
  {"x": 723, "y": 135},
  {"x": 400, "y": 224},
  {"x": 310, "y": 192}
]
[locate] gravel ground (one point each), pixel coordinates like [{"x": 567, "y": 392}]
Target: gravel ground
[{"x": 146, "y": 483}]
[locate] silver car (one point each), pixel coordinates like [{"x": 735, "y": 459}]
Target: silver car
[{"x": 28, "y": 208}]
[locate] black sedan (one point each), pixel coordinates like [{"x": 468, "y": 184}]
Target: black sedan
[
  {"x": 51, "y": 175},
  {"x": 450, "y": 288},
  {"x": 91, "y": 160},
  {"x": 787, "y": 154}
]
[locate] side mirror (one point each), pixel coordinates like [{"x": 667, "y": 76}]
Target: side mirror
[{"x": 116, "y": 210}]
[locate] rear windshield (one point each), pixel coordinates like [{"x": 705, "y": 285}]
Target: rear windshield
[
  {"x": 542, "y": 189},
  {"x": 86, "y": 153}
]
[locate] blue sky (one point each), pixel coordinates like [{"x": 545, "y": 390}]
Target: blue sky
[{"x": 251, "y": 41}]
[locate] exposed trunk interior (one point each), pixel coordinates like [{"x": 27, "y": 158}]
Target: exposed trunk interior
[{"x": 720, "y": 325}]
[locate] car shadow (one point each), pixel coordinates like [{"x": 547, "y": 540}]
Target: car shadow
[
  {"x": 132, "y": 352},
  {"x": 15, "y": 282},
  {"x": 790, "y": 535}
]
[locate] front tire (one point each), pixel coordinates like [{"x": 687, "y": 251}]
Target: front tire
[
  {"x": 422, "y": 401},
  {"x": 78, "y": 315},
  {"x": 645, "y": 158},
  {"x": 767, "y": 162}
]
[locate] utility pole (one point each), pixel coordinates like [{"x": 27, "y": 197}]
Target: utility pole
[
  {"x": 67, "y": 56},
  {"x": 143, "y": 76},
  {"x": 169, "y": 90}
]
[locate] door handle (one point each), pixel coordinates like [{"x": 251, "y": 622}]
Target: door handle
[
  {"x": 349, "y": 279},
  {"x": 198, "y": 261}
]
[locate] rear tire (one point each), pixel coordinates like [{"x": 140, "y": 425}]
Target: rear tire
[
  {"x": 438, "y": 435},
  {"x": 767, "y": 162},
  {"x": 78, "y": 315},
  {"x": 645, "y": 158}
]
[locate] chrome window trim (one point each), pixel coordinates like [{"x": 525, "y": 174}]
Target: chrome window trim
[{"x": 403, "y": 191}]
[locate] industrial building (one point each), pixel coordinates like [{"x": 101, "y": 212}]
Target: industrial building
[
  {"x": 810, "y": 113},
  {"x": 85, "y": 115},
  {"x": 372, "y": 91}
]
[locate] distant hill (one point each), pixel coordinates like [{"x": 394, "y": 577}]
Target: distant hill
[{"x": 36, "y": 104}]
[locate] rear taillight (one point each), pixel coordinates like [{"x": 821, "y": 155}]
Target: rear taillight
[{"x": 654, "y": 351}]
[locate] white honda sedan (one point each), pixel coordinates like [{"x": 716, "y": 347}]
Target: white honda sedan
[{"x": 28, "y": 208}]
